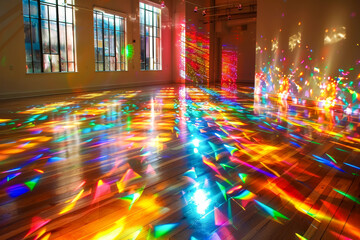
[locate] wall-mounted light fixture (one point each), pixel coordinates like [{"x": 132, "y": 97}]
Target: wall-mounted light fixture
[{"x": 228, "y": 6}]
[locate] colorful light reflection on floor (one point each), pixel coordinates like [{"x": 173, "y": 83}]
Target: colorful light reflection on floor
[{"x": 177, "y": 162}]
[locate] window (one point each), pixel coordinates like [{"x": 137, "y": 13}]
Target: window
[
  {"x": 150, "y": 33},
  {"x": 110, "y": 43},
  {"x": 49, "y": 35}
]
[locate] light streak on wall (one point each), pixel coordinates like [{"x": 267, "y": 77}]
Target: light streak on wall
[
  {"x": 320, "y": 63},
  {"x": 229, "y": 69},
  {"x": 182, "y": 50},
  {"x": 334, "y": 35},
  {"x": 294, "y": 40},
  {"x": 197, "y": 55}
]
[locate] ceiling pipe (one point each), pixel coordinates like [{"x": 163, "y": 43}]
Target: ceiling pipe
[{"x": 214, "y": 7}]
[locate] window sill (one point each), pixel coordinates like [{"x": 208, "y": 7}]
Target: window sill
[
  {"x": 44, "y": 73},
  {"x": 111, "y": 71}
]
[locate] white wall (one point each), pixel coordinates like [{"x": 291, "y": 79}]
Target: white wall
[
  {"x": 242, "y": 42},
  {"x": 14, "y": 82}
]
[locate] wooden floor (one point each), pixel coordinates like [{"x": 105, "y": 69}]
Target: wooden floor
[{"x": 175, "y": 162}]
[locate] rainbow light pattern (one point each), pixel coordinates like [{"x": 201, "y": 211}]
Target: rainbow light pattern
[
  {"x": 197, "y": 53},
  {"x": 299, "y": 58},
  {"x": 122, "y": 165}
]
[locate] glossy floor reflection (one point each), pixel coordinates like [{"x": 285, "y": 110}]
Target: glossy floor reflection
[{"x": 177, "y": 162}]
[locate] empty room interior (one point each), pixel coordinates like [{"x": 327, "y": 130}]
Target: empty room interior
[{"x": 179, "y": 119}]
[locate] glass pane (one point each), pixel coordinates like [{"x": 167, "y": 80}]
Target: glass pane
[
  {"x": 29, "y": 67},
  {"x": 148, "y": 7},
  {"x": 112, "y": 63},
  {"x": 100, "y": 45},
  {"x": 47, "y": 63},
  {"x": 26, "y": 10},
  {"x": 155, "y": 51},
  {"x": 61, "y": 14},
  {"x": 148, "y": 18},
  {"x": 71, "y": 67},
  {"x": 95, "y": 43},
  {"x": 100, "y": 55},
  {"x": 64, "y": 66},
  {"x": 107, "y": 63},
  {"x": 142, "y": 42},
  {"x": 142, "y": 16},
  {"x": 122, "y": 47},
  {"x": 111, "y": 23},
  {"x": 55, "y": 63},
  {"x": 34, "y": 9},
  {"x": 35, "y": 35},
  {"x": 52, "y": 13},
  {"x": 69, "y": 2},
  {"x": 37, "y": 67},
  {"x": 69, "y": 15},
  {"x": 44, "y": 11},
  {"x": 95, "y": 59},
  {"x": 62, "y": 34},
  {"x": 106, "y": 42},
  {"x": 54, "y": 37},
  {"x": 151, "y": 53},
  {"x": 118, "y": 46},
  {"x": 45, "y": 36},
  {"x": 147, "y": 54},
  {"x": 70, "y": 42},
  {"x": 106, "y": 22},
  {"x": 101, "y": 66},
  {"x": 112, "y": 44},
  {"x": 120, "y": 28},
  {"x": 27, "y": 31},
  {"x": 155, "y": 20},
  {"x": 117, "y": 23},
  {"x": 99, "y": 20},
  {"x": 142, "y": 30},
  {"x": 49, "y": 1}
]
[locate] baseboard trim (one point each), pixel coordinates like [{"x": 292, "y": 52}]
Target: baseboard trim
[{"x": 20, "y": 95}]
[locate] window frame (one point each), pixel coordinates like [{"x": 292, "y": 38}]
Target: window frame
[
  {"x": 125, "y": 19},
  {"x": 39, "y": 31},
  {"x": 154, "y": 38}
]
